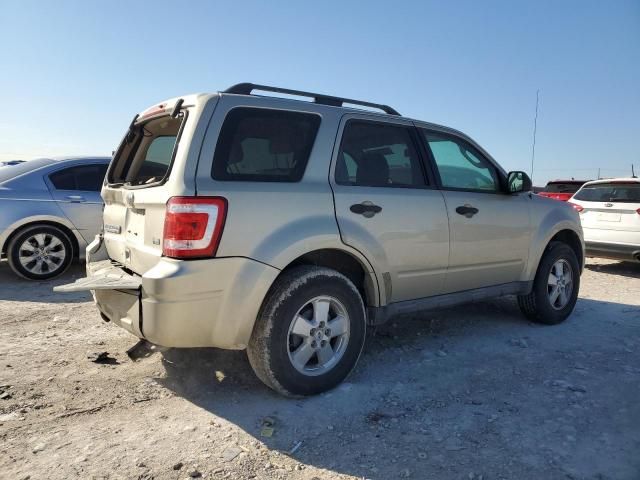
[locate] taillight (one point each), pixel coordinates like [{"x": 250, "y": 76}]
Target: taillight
[
  {"x": 193, "y": 226},
  {"x": 638, "y": 211},
  {"x": 576, "y": 207}
]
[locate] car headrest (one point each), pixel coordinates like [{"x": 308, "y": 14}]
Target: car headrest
[{"x": 373, "y": 170}]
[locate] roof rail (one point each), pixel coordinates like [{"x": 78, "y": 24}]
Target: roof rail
[{"x": 247, "y": 88}]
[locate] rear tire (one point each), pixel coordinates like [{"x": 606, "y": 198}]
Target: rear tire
[
  {"x": 40, "y": 252},
  {"x": 555, "y": 287},
  {"x": 309, "y": 333}
]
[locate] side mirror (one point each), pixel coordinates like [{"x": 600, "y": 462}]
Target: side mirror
[{"x": 518, "y": 182}]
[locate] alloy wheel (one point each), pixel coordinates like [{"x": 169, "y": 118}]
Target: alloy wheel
[
  {"x": 318, "y": 335},
  {"x": 560, "y": 284},
  {"x": 42, "y": 253}
]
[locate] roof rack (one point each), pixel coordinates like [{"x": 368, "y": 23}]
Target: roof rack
[{"x": 247, "y": 88}]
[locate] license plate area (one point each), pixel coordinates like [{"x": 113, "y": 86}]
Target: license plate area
[
  {"x": 608, "y": 217},
  {"x": 134, "y": 229}
]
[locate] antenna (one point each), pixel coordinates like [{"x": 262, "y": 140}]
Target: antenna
[
  {"x": 633, "y": 173},
  {"x": 535, "y": 128}
]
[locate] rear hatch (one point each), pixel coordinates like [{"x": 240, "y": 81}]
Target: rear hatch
[
  {"x": 610, "y": 206},
  {"x": 147, "y": 169}
]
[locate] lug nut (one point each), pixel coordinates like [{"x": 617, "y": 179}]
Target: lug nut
[
  {"x": 327, "y": 332},
  {"x": 321, "y": 324},
  {"x": 323, "y": 343},
  {"x": 314, "y": 344},
  {"x": 312, "y": 331}
]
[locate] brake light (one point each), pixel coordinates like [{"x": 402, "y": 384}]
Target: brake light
[
  {"x": 638, "y": 211},
  {"x": 576, "y": 207},
  {"x": 153, "y": 111},
  {"x": 193, "y": 226}
]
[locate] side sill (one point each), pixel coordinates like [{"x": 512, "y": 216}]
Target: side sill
[{"x": 379, "y": 315}]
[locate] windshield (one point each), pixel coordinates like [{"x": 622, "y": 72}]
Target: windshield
[
  {"x": 563, "y": 187},
  {"x": 9, "y": 172},
  {"x": 145, "y": 156},
  {"x": 610, "y": 192}
]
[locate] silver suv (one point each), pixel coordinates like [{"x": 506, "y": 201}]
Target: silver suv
[{"x": 287, "y": 227}]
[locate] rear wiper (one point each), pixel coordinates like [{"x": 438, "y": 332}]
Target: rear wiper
[
  {"x": 176, "y": 109},
  {"x": 131, "y": 133}
]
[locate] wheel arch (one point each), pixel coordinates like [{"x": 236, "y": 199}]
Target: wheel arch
[
  {"x": 572, "y": 239},
  {"x": 31, "y": 222},
  {"x": 353, "y": 266},
  {"x": 565, "y": 232}
]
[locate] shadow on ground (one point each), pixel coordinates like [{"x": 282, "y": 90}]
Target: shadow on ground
[
  {"x": 18, "y": 289},
  {"x": 447, "y": 394},
  {"x": 625, "y": 269}
]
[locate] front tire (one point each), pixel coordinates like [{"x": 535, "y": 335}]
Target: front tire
[
  {"x": 555, "y": 287},
  {"x": 309, "y": 332},
  {"x": 40, "y": 252}
]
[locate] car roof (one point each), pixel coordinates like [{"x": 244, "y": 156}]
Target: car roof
[
  {"x": 79, "y": 159},
  {"x": 613, "y": 180},
  {"x": 10, "y": 173},
  {"x": 567, "y": 181}
]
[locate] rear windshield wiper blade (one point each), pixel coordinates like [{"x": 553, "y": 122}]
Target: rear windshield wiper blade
[{"x": 131, "y": 132}]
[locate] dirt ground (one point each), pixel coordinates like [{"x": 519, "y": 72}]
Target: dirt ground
[{"x": 474, "y": 392}]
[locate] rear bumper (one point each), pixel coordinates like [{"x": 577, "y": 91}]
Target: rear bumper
[
  {"x": 617, "y": 251},
  {"x": 195, "y": 303}
]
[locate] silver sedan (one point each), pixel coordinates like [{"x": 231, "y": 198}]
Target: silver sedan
[{"x": 49, "y": 211}]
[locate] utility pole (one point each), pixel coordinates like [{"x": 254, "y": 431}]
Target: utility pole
[{"x": 535, "y": 128}]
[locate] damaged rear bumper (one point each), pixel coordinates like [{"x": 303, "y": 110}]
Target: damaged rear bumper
[{"x": 196, "y": 303}]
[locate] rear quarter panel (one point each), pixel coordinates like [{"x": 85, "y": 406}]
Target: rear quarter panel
[
  {"x": 26, "y": 200},
  {"x": 15, "y": 214},
  {"x": 276, "y": 222}
]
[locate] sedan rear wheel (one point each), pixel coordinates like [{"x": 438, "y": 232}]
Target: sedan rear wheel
[{"x": 40, "y": 252}]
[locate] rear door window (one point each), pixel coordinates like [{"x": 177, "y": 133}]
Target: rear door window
[
  {"x": 87, "y": 178},
  {"x": 264, "y": 145},
  {"x": 146, "y": 154},
  {"x": 378, "y": 155}
]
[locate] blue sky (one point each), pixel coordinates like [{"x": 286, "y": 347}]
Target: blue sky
[{"x": 75, "y": 72}]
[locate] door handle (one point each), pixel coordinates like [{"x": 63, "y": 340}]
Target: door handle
[
  {"x": 75, "y": 198},
  {"x": 366, "y": 209},
  {"x": 467, "y": 210}
]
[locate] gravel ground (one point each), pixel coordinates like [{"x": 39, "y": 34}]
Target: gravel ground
[{"x": 468, "y": 393}]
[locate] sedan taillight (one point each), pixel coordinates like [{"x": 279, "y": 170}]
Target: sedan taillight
[{"x": 193, "y": 226}]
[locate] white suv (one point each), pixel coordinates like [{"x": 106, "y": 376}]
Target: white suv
[{"x": 610, "y": 216}]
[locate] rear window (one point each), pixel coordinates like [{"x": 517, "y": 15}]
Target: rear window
[
  {"x": 86, "y": 178},
  {"x": 263, "y": 145},
  {"x": 610, "y": 192},
  {"x": 563, "y": 187},
  {"x": 145, "y": 156}
]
